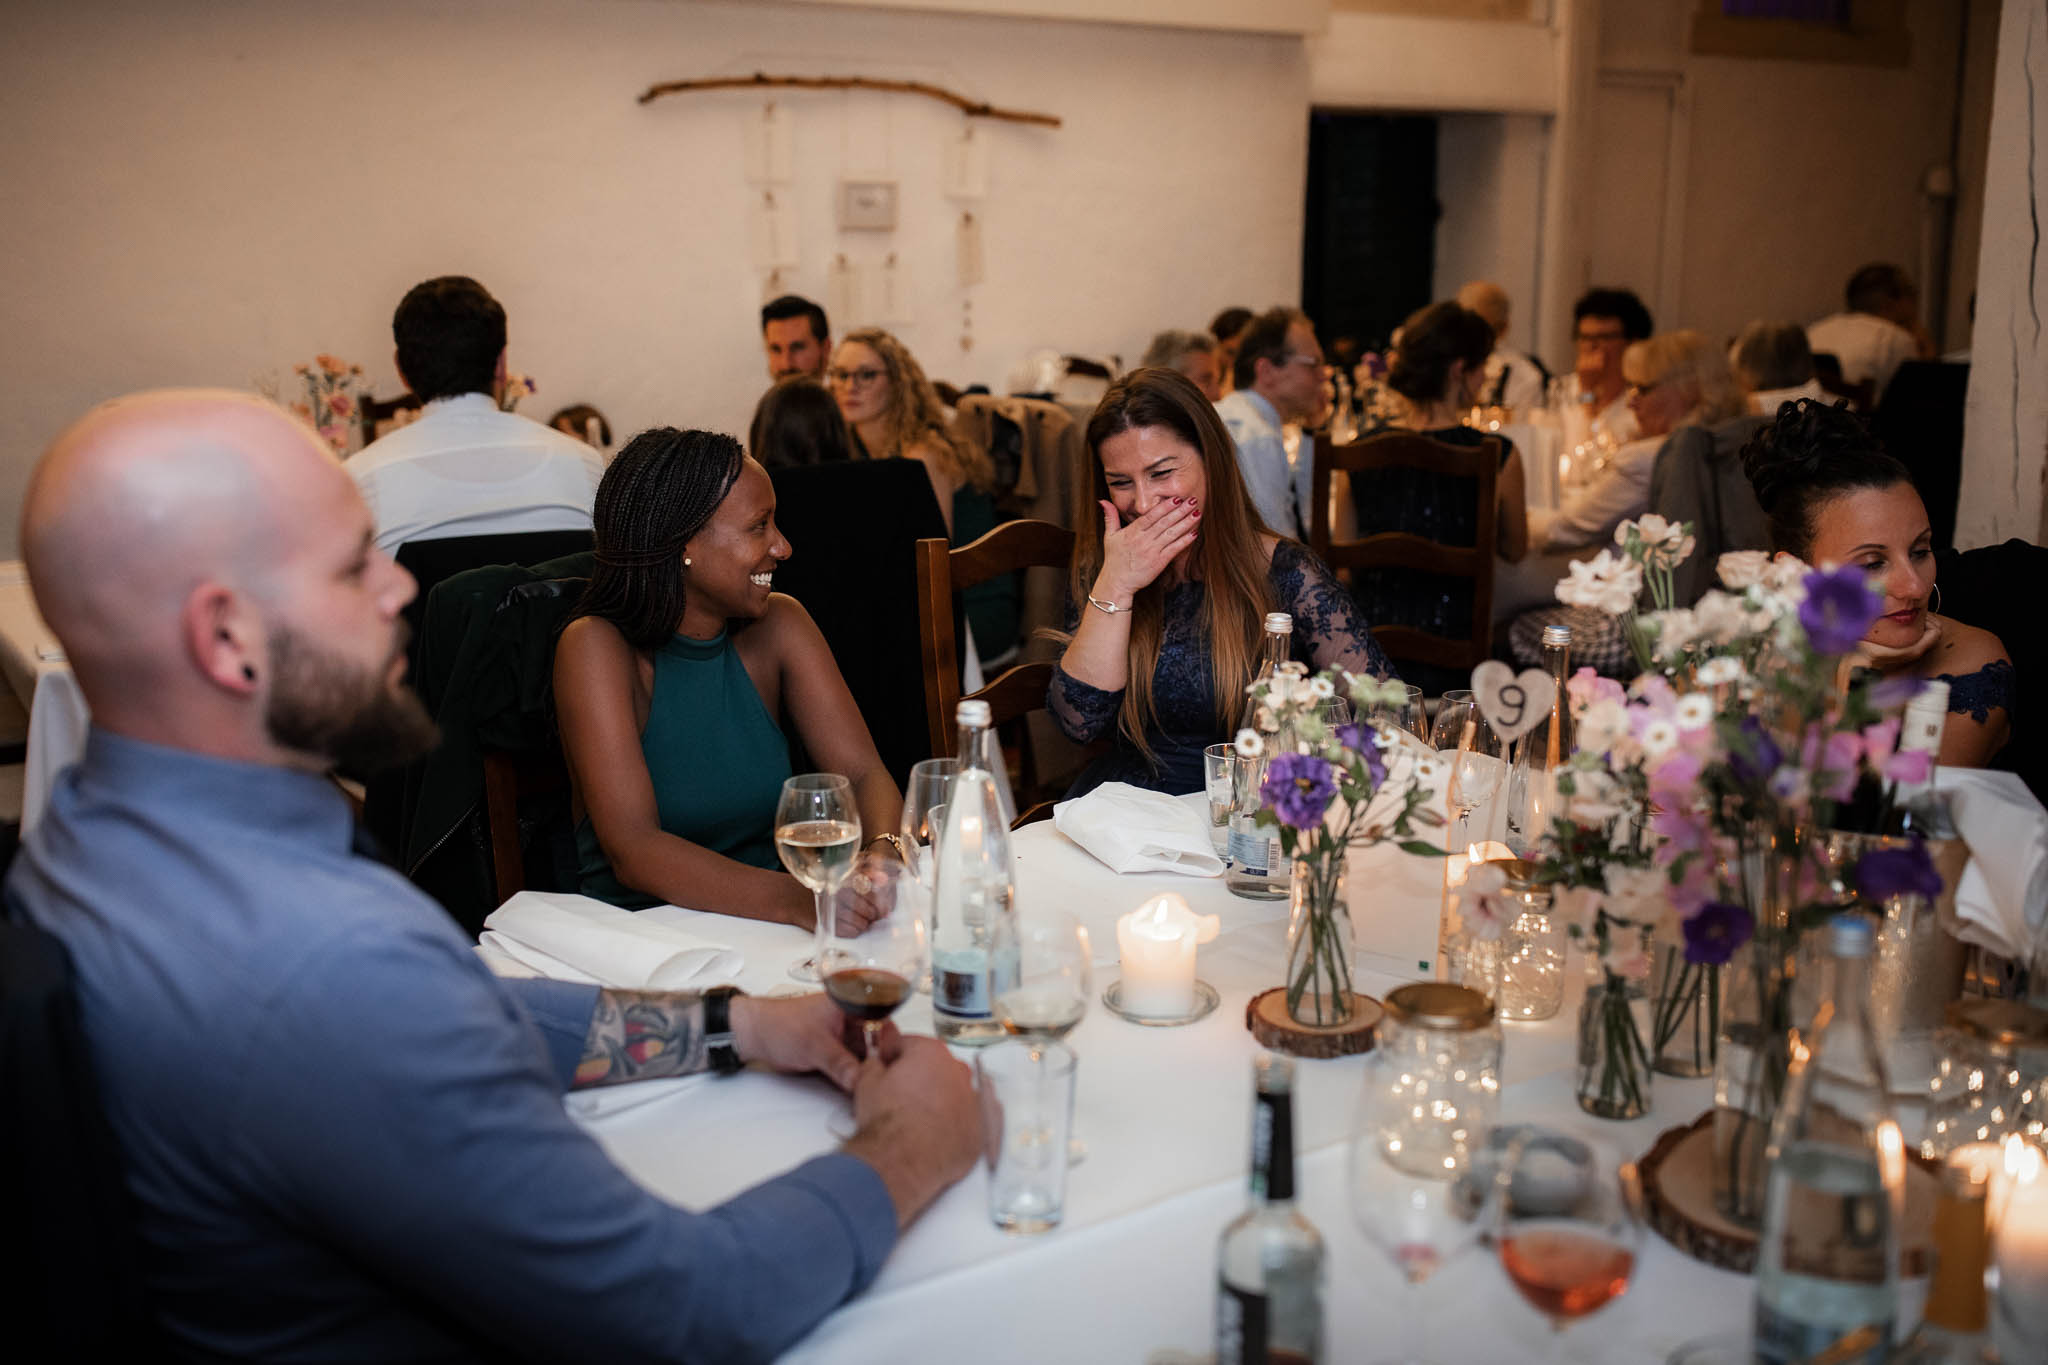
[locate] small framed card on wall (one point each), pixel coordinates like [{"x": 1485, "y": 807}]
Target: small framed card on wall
[{"x": 867, "y": 205}]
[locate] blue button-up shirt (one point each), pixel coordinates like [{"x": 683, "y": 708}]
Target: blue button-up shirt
[
  {"x": 345, "y": 1135},
  {"x": 1280, "y": 487}
]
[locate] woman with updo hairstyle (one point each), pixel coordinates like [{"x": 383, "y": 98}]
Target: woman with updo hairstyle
[
  {"x": 678, "y": 680},
  {"x": 1172, "y": 577},
  {"x": 1831, "y": 494},
  {"x": 797, "y": 423},
  {"x": 1437, "y": 368}
]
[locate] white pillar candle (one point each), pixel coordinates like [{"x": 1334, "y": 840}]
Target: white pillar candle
[
  {"x": 1156, "y": 948},
  {"x": 2020, "y": 1250}
]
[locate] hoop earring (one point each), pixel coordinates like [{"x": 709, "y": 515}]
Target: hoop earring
[{"x": 1934, "y": 606}]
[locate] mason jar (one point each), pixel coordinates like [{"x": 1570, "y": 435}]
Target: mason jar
[{"x": 1439, "y": 1049}]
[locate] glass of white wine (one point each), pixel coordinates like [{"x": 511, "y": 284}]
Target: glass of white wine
[
  {"x": 1055, "y": 962},
  {"x": 817, "y": 834}
]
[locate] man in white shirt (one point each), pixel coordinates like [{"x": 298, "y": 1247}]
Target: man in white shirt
[
  {"x": 796, "y": 336},
  {"x": 465, "y": 468},
  {"x": 1512, "y": 379},
  {"x": 1880, "y": 331},
  {"x": 1604, "y": 322},
  {"x": 1279, "y": 377}
]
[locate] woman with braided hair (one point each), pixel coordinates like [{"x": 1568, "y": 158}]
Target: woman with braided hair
[{"x": 674, "y": 682}]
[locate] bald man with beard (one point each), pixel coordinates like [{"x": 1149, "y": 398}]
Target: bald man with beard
[{"x": 344, "y": 1136}]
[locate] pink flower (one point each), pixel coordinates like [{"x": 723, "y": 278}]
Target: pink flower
[
  {"x": 1839, "y": 764},
  {"x": 1627, "y": 959},
  {"x": 1909, "y": 765},
  {"x": 1587, "y": 687},
  {"x": 1693, "y": 890},
  {"x": 1879, "y": 739},
  {"x": 1486, "y": 912},
  {"x": 1682, "y": 830},
  {"x": 1577, "y": 907},
  {"x": 1654, "y": 691},
  {"x": 1672, "y": 781},
  {"x": 340, "y": 404}
]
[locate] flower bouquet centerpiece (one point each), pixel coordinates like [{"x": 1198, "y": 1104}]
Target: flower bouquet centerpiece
[
  {"x": 1724, "y": 765},
  {"x": 333, "y": 398},
  {"x": 517, "y": 386},
  {"x": 1329, "y": 788}
]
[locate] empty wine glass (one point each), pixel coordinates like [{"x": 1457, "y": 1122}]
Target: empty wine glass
[
  {"x": 1566, "y": 1223},
  {"x": 1055, "y": 961},
  {"x": 924, "y": 815},
  {"x": 1472, "y": 751},
  {"x": 1406, "y": 714},
  {"x": 868, "y": 977},
  {"x": 1419, "y": 1215},
  {"x": 817, "y": 834}
]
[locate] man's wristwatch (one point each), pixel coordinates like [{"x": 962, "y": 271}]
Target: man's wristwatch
[{"x": 718, "y": 1040}]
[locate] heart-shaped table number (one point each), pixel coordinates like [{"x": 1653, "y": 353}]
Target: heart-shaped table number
[{"x": 1512, "y": 702}]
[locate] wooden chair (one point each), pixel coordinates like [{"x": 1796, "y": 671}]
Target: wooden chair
[
  {"x": 1405, "y": 550},
  {"x": 1018, "y": 690},
  {"x": 510, "y": 778}
]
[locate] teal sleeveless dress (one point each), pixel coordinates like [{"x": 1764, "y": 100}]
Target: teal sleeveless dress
[{"x": 717, "y": 758}]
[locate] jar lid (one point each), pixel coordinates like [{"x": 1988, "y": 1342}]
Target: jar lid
[
  {"x": 2009, "y": 1023},
  {"x": 1521, "y": 874},
  {"x": 1440, "y": 1005}
]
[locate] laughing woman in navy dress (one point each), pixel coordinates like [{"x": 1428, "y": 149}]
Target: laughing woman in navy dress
[
  {"x": 1172, "y": 584},
  {"x": 1832, "y": 495}
]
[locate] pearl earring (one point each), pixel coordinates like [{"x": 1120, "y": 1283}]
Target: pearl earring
[{"x": 686, "y": 561}]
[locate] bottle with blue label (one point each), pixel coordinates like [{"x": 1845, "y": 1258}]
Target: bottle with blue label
[{"x": 974, "y": 891}]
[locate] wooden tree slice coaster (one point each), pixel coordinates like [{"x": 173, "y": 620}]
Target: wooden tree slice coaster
[
  {"x": 1266, "y": 1017},
  {"x": 1678, "y": 1197}
]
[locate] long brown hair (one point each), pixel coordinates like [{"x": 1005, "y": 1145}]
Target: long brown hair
[
  {"x": 1230, "y": 552},
  {"x": 914, "y": 414}
]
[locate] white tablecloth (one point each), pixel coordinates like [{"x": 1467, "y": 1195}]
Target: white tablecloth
[
  {"x": 1166, "y": 1116},
  {"x": 35, "y": 667}
]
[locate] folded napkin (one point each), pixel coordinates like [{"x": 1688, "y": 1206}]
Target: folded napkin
[
  {"x": 575, "y": 938},
  {"x": 2002, "y": 898},
  {"x": 1134, "y": 830}
]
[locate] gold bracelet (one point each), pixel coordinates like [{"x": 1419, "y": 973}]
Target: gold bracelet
[{"x": 895, "y": 842}]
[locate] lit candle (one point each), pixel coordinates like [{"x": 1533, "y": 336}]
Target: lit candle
[
  {"x": 2020, "y": 1248},
  {"x": 1155, "y": 946}
]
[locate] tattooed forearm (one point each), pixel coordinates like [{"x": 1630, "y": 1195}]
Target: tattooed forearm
[{"x": 638, "y": 1035}]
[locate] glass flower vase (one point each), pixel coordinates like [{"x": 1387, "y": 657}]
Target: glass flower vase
[
  {"x": 1319, "y": 944},
  {"x": 1614, "y": 1061},
  {"x": 1685, "y": 1012}
]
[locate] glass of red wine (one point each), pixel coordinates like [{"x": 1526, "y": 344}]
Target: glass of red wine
[
  {"x": 869, "y": 976},
  {"x": 1567, "y": 1224}
]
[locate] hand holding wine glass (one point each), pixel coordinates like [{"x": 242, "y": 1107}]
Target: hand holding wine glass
[
  {"x": 869, "y": 977},
  {"x": 1566, "y": 1222},
  {"x": 817, "y": 832}
]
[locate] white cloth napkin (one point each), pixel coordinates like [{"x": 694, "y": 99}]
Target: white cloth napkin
[
  {"x": 576, "y": 938},
  {"x": 2002, "y": 898},
  {"x": 1133, "y": 830}
]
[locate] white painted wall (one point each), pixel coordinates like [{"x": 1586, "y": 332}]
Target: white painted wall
[
  {"x": 1263, "y": 16},
  {"x": 197, "y": 194},
  {"x": 2007, "y": 431},
  {"x": 1489, "y": 179}
]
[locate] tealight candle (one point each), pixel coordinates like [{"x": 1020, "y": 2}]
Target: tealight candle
[{"x": 1156, "y": 949}]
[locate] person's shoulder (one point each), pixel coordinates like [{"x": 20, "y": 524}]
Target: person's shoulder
[
  {"x": 593, "y": 641},
  {"x": 784, "y": 619},
  {"x": 1964, "y": 649}
]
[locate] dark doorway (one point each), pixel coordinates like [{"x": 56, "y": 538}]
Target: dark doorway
[{"x": 1369, "y": 243}]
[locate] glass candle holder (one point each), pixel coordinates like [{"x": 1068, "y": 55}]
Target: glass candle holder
[
  {"x": 1989, "y": 1076},
  {"x": 1532, "y": 967},
  {"x": 1440, "y": 1046}
]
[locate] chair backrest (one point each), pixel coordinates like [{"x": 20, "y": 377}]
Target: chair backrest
[
  {"x": 70, "y": 1288},
  {"x": 430, "y": 561},
  {"x": 515, "y": 780},
  {"x": 943, "y": 571},
  {"x": 1390, "y": 450},
  {"x": 1920, "y": 418},
  {"x": 854, "y": 527}
]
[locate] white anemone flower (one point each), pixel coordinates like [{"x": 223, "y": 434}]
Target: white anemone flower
[
  {"x": 1695, "y": 711},
  {"x": 1249, "y": 744}
]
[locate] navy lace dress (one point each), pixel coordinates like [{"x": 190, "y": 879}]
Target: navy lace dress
[
  {"x": 1327, "y": 631},
  {"x": 1977, "y": 694}
]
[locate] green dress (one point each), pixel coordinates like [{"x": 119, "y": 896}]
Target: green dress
[{"x": 717, "y": 758}]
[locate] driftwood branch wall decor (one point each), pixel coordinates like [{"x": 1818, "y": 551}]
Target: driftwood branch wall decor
[{"x": 762, "y": 81}]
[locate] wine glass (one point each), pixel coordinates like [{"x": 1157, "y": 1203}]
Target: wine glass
[
  {"x": 1420, "y": 1216},
  {"x": 1404, "y": 715},
  {"x": 1566, "y": 1223},
  {"x": 1473, "y": 751},
  {"x": 924, "y": 815},
  {"x": 817, "y": 833},
  {"x": 1052, "y": 987},
  {"x": 868, "y": 977}
]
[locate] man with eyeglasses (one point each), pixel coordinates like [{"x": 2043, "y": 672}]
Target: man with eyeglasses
[
  {"x": 1604, "y": 322},
  {"x": 1279, "y": 381}
]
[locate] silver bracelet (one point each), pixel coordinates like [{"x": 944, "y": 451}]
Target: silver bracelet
[{"x": 1110, "y": 608}]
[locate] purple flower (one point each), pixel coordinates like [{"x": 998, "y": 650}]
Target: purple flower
[
  {"x": 1754, "y": 755},
  {"x": 1839, "y": 606},
  {"x": 1363, "y": 740},
  {"x": 1299, "y": 788},
  {"x": 1904, "y": 870},
  {"x": 1713, "y": 935},
  {"x": 1889, "y": 694}
]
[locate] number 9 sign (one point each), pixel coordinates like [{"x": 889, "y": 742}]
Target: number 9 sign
[{"x": 1512, "y": 702}]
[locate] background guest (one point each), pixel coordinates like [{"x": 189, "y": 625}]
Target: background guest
[
  {"x": 1879, "y": 331},
  {"x": 1512, "y": 379},
  {"x": 1437, "y": 370},
  {"x": 1194, "y": 354},
  {"x": 465, "y": 468},
  {"x": 1773, "y": 361},
  {"x": 1278, "y": 380},
  {"x": 679, "y": 681},
  {"x": 796, "y": 337},
  {"x": 1834, "y": 496},
  {"x": 1228, "y": 329},
  {"x": 1172, "y": 586},
  {"x": 797, "y": 422},
  {"x": 1605, "y": 322},
  {"x": 585, "y": 423}
]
